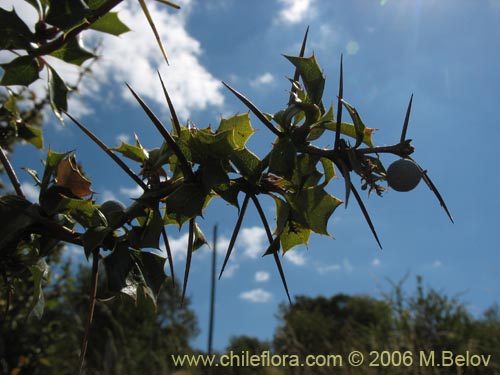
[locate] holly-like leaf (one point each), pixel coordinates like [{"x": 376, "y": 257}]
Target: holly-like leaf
[
  {"x": 94, "y": 237},
  {"x": 248, "y": 164},
  {"x": 283, "y": 158},
  {"x": 14, "y": 33},
  {"x": 110, "y": 24},
  {"x": 359, "y": 126},
  {"x": 83, "y": 211},
  {"x": 186, "y": 202},
  {"x": 199, "y": 237},
  {"x": 69, "y": 176},
  {"x": 135, "y": 153},
  {"x": 118, "y": 265},
  {"x": 294, "y": 234},
  {"x": 31, "y": 134},
  {"x": 312, "y": 77},
  {"x": 13, "y": 222},
  {"x": 38, "y": 271},
  {"x": 152, "y": 268},
  {"x": 346, "y": 129},
  {"x": 58, "y": 93},
  {"x": 240, "y": 126},
  {"x": 148, "y": 234},
  {"x": 22, "y": 71},
  {"x": 214, "y": 173},
  {"x": 66, "y": 14},
  {"x": 312, "y": 207},
  {"x": 73, "y": 52}
]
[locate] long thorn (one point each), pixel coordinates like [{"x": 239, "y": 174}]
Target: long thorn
[
  {"x": 270, "y": 238},
  {"x": 296, "y": 75},
  {"x": 255, "y": 110},
  {"x": 365, "y": 213},
  {"x": 407, "y": 120},
  {"x": 11, "y": 173},
  {"x": 235, "y": 233},
  {"x": 339, "y": 104},
  {"x": 92, "y": 300},
  {"x": 105, "y": 148},
  {"x": 145, "y": 10},
  {"x": 186, "y": 168},
  {"x": 188, "y": 258},
  {"x": 434, "y": 189},
  {"x": 169, "y": 255},
  {"x": 175, "y": 119}
]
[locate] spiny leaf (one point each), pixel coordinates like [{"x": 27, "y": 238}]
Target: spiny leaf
[
  {"x": 236, "y": 230},
  {"x": 14, "y": 33},
  {"x": 296, "y": 75},
  {"x": 110, "y": 24},
  {"x": 73, "y": 52},
  {"x": 346, "y": 129},
  {"x": 359, "y": 126},
  {"x": 240, "y": 127},
  {"x": 66, "y": 14},
  {"x": 51, "y": 163},
  {"x": 39, "y": 272},
  {"x": 132, "y": 152},
  {"x": 254, "y": 110},
  {"x": 22, "y": 71},
  {"x": 58, "y": 93},
  {"x": 312, "y": 77},
  {"x": 186, "y": 202}
]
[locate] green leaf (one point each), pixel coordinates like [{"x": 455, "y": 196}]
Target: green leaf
[
  {"x": 148, "y": 235},
  {"x": 14, "y": 33},
  {"x": 328, "y": 170},
  {"x": 248, "y": 164},
  {"x": 294, "y": 234},
  {"x": 312, "y": 207},
  {"x": 58, "y": 93},
  {"x": 110, "y": 24},
  {"x": 283, "y": 158},
  {"x": 240, "y": 126},
  {"x": 33, "y": 174},
  {"x": 118, "y": 265},
  {"x": 38, "y": 272},
  {"x": 347, "y": 129},
  {"x": 312, "y": 77},
  {"x": 229, "y": 192},
  {"x": 73, "y": 52},
  {"x": 83, "y": 211},
  {"x": 359, "y": 126},
  {"x": 213, "y": 173},
  {"x": 94, "y": 237},
  {"x": 31, "y": 134},
  {"x": 13, "y": 222},
  {"x": 152, "y": 268},
  {"x": 94, "y": 4},
  {"x": 132, "y": 152},
  {"x": 66, "y": 14},
  {"x": 22, "y": 71},
  {"x": 186, "y": 202}
]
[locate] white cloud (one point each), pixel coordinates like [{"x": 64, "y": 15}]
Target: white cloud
[
  {"x": 134, "y": 58},
  {"x": 122, "y": 137},
  {"x": 352, "y": 47},
  {"x": 262, "y": 276},
  {"x": 328, "y": 268},
  {"x": 178, "y": 246},
  {"x": 134, "y": 192},
  {"x": 347, "y": 265},
  {"x": 295, "y": 11},
  {"x": 256, "y": 296},
  {"x": 262, "y": 80},
  {"x": 107, "y": 195},
  {"x": 253, "y": 240},
  {"x": 437, "y": 264},
  {"x": 30, "y": 191},
  {"x": 376, "y": 262},
  {"x": 295, "y": 257}
]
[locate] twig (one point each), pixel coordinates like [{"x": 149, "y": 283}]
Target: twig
[{"x": 11, "y": 173}]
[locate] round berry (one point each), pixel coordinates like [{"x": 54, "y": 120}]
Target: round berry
[{"x": 403, "y": 175}]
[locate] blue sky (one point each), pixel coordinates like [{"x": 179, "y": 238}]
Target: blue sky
[{"x": 444, "y": 52}]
